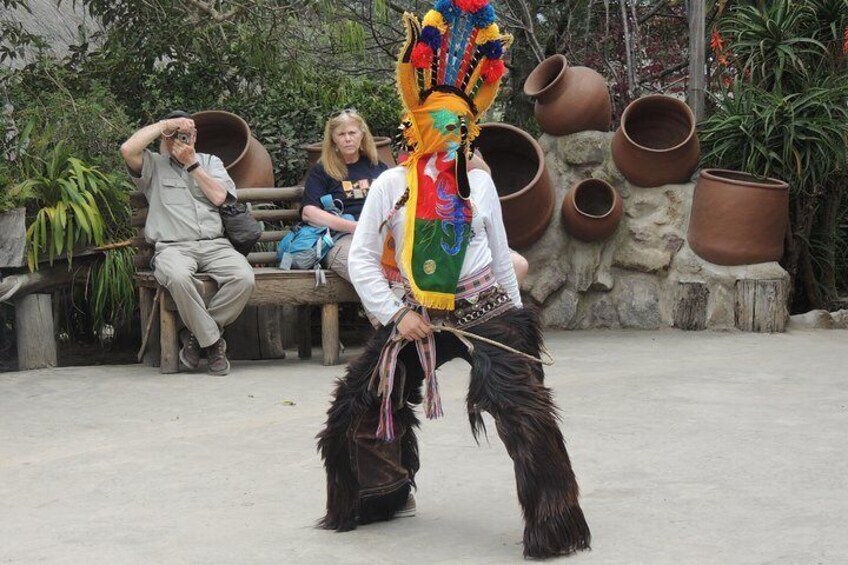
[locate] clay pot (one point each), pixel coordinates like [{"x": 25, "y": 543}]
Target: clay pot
[
  {"x": 568, "y": 99},
  {"x": 656, "y": 142},
  {"x": 384, "y": 153},
  {"x": 522, "y": 180},
  {"x": 591, "y": 210},
  {"x": 227, "y": 136},
  {"x": 737, "y": 218}
]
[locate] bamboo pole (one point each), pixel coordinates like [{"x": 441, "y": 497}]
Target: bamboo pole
[
  {"x": 697, "y": 57},
  {"x": 154, "y": 310}
]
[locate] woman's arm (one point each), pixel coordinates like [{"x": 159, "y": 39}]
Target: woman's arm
[
  {"x": 321, "y": 218},
  {"x": 498, "y": 245}
]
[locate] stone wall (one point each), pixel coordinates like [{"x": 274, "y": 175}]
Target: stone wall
[{"x": 644, "y": 275}]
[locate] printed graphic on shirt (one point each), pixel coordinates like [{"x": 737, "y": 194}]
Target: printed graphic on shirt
[{"x": 357, "y": 188}]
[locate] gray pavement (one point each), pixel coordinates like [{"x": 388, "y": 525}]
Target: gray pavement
[{"x": 690, "y": 448}]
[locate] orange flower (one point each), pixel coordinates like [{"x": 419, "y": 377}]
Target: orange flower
[
  {"x": 717, "y": 43},
  {"x": 845, "y": 43}
]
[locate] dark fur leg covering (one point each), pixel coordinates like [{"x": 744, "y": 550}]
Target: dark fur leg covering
[
  {"x": 510, "y": 388},
  {"x": 355, "y": 406}
]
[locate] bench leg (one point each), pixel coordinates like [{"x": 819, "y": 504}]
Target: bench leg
[
  {"x": 168, "y": 339},
  {"x": 145, "y": 304},
  {"x": 304, "y": 332},
  {"x": 330, "y": 333}
]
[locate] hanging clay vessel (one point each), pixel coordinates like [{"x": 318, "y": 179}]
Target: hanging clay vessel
[
  {"x": 228, "y": 137},
  {"x": 656, "y": 142},
  {"x": 737, "y": 218},
  {"x": 384, "y": 154},
  {"x": 521, "y": 178},
  {"x": 591, "y": 210},
  {"x": 568, "y": 99}
]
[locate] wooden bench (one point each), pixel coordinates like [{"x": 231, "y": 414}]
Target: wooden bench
[{"x": 278, "y": 208}]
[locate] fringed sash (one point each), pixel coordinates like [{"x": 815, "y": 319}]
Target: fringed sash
[{"x": 384, "y": 372}]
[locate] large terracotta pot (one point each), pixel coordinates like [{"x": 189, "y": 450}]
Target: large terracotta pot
[
  {"x": 568, "y": 99},
  {"x": 656, "y": 142},
  {"x": 737, "y": 218},
  {"x": 384, "y": 153},
  {"x": 228, "y": 137},
  {"x": 522, "y": 180},
  {"x": 591, "y": 210}
]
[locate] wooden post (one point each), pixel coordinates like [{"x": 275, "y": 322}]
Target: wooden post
[
  {"x": 269, "y": 322},
  {"x": 168, "y": 338},
  {"x": 697, "y": 58},
  {"x": 289, "y": 323},
  {"x": 330, "y": 333},
  {"x": 690, "y": 308},
  {"x": 761, "y": 305},
  {"x": 304, "y": 333},
  {"x": 36, "y": 339}
]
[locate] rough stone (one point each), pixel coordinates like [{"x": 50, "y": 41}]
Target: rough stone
[
  {"x": 721, "y": 313},
  {"x": 587, "y": 147},
  {"x": 561, "y": 309},
  {"x": 642, "y": 260},
  {"x": 637, "y": 302},
  {"x": 840, "y": 319},
  {"x": 596, "y": 311},
  {"x": 814, "y": 319}
]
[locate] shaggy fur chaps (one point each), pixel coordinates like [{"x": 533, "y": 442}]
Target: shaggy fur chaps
[{"x": 369, "y": 480}]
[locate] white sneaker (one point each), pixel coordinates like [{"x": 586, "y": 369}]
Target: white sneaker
[{"x": 408, "y": 509}]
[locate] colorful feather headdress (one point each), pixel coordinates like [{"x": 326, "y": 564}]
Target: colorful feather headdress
[{"x": 448, "y": 73}]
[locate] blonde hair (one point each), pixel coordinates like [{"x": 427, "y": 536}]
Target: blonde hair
[{"x": 332, "y": 161}]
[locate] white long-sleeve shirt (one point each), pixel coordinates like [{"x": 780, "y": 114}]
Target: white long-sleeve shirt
[{"x": 488, "y": 245}]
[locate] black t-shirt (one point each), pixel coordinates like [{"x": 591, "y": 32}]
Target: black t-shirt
[{"x": 351, "y": 191}]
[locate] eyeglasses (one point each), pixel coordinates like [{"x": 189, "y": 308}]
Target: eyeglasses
[{"x": 346, "y": 111}]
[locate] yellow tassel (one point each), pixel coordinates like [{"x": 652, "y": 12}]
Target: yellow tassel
[
  {"x": 488, "y": 33},
  {"x": 435, "y": 300},
  {"x": 435, "y": 19}
]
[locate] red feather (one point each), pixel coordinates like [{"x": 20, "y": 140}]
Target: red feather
[
  {"x": 471, "y": 6},
  {"x": 493, "y": 69},
  {"x": 422, "y": 55}
]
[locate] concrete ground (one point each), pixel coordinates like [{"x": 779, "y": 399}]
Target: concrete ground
[{"x": 690, "y": 448}]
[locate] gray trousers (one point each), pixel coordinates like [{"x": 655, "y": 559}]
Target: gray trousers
[
  {"x": 336, "y": 259},
  {"x": 175, "y": 265}
]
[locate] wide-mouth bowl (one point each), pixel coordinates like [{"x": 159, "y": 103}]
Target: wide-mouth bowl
[
  {"x": 740, "y": 178},
  {"x": 594, "y": 198},
  {"x": 222, "y": 134},
  {"x": 658, "y": 123},
  {"x": 516, "y": 160}
]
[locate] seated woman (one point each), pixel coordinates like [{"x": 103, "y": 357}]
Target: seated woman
[{"x": 345, "y": 171}]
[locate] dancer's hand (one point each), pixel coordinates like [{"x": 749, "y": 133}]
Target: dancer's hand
[{"x": 413, "y": 326}]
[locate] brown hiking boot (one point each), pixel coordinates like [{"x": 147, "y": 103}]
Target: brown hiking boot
[
  {"x": 190, "y": 352},
  {"x": 216, "y": 354}
]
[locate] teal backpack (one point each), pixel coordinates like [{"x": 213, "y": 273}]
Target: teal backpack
[{"x": 305, "y": 246}]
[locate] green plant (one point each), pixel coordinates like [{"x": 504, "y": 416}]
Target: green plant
[
  {"x": 68, "y": 214},
  {"x": 767, "y": 44},
  {"x": 111, "y": 288}
]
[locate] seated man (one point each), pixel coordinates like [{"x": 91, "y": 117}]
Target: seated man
[{"x": 184, "y": 190}]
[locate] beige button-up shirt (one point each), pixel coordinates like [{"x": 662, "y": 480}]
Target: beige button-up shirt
[{"x": 179, "y": 211}]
